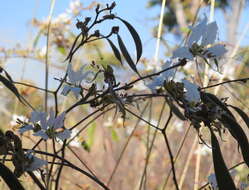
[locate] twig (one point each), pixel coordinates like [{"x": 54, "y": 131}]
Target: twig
[
  {"x": 169, "y": 149},
  {"x": 69, "y": 164},
  {"x": 125, "y": 146},
  {"x": 244, "y": 80}
]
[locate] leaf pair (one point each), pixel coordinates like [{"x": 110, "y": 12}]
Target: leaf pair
[
  {"x": 123, "y": 48},
  {"x": 229, "y": 121}
]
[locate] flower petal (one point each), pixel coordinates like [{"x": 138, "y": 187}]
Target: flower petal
[
  {"x": 192, "y": 93},
  {"x": 36, "y": 163},
  {"x": 197, "y": 32},
  {"x": 37, "y": 116},
  {"x": 76, "y": 91},
  {"x": 210, "y": 34},
  {"x": 217, "y": 50},
  {"x": 64, "y": 135},
  {"x": 41, "y": 134},
  {"x": 156, "y": 82},
  {"x": 25, "y": 128},
  {"x": 59, "y": 121},
  {"x": 66, "y": 90},
  {"x": 51, "y": 119},
  {"x": 182, "y": 52},
  {"x": 169, "y": 74}
]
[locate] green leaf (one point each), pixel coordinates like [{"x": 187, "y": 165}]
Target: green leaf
[
  {"x": 90, "y": 135},
  {"x": 115, "y": 51},
  {"x": 224, "y": 180},
  {"x": 85, "y": 146},
  {"x": 62, "y": 50},
  {"x": 127, "y": 55},
  {"x": 8, "y": 84},
  {"x": 242, "y": 114},
  {"x": 114, "y": 134},
  {"x": 239, "y": 135},
  {"x": 136, "y": 38}
]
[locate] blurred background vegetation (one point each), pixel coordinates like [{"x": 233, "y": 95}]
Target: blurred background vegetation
[{"x": 132, "y": 152}]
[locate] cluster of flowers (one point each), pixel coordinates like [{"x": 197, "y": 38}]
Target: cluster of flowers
[{"x": 201, "y": 43}]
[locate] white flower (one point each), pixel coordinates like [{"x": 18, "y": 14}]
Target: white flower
[
  {"x": 217, "y": 50},
  {"x": 203, "y": 34},
  {"x": 62, "y": 18},
  {"x": 35, "y": 163},
  {"x": 76, "y": 90},
  {"x": 243, "y": 186},
  {"x": 42, "y": 52},
  {"x": 139, "y": 86},
  {"x": 108, "y": 122},
  {"x": 212, "y": 179},
  {"x": 75, "y": 78},
  {"x": 203, "y": 150},
  {"x": 192, "y": 93},
  {"x": 76, "y": 141},
  {"x": 48, "y": 127},
  {"x": 165, "y": 76},
  {"x": 15, "y": 119},
  {"x": 178, "y": 125},
  {"x": 75, "y": 7}
]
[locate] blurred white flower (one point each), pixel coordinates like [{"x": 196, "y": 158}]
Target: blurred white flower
[
  {"x": 75, "y": 78},
  {"x": 63, "y": 18},
  {"x": 48, "y": 127},
  {"x": 178, "y": 125},
  {"x": 203, "y": 150},
  {"x": 74, "y": 7},
  {"x": 76, "y": 90},
  {"x": 42, "y": 52},
  {"x": 76, "y": 141},
  {"x": 35, "y": 163},
  {"x": 203, "y": 34},
  {"x": 15, "y": 119},
  {"x": 192, "y": 93},
  {"x": 108, "y": 122},
  {"x": 139, "y": 86},
  {"x": 165, "y": 76},
  {"x": 243, "y": 186},
  {"x": 212, "y": 179},
  {"x": 217, "y": 50}
]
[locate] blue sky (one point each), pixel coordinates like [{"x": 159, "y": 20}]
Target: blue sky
[
  {"x": 16, "y": 28},
  {"x": 16, "y": 14}
]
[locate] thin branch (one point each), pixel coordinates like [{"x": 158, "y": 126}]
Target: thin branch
[
  {"x": 169, "y": 150},
  {"x": 244, "y": 80},
  {"x": 32, "y": 86},
  {"x": 69, "y": 164},
  {"x": 125, "y": 146},
  {"x": 143, "y": 119}
]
